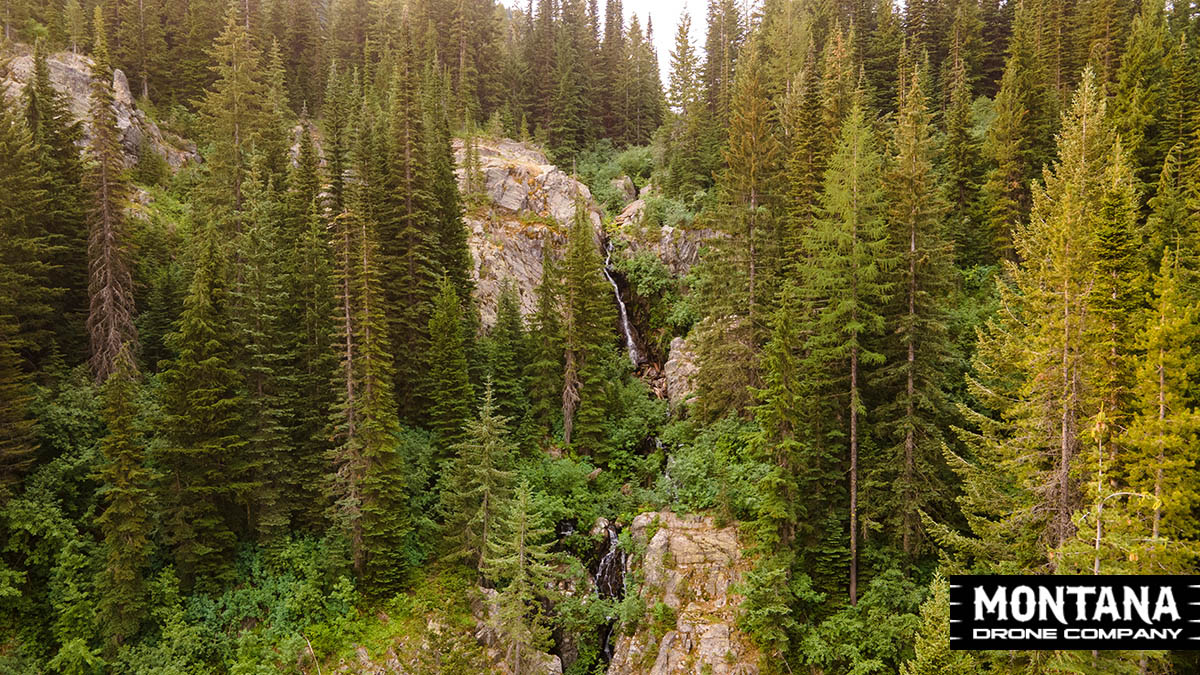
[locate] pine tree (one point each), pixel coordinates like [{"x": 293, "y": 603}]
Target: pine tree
[
  {"x": 477, "y": 485},
  {"x": 258, "y": 297},
  {"x": 519, "y": 555},
  {"x": 844, "y": 283},
  {"x": 203, "y": 398},
  {"x": 588, "y": 320},
  {"x": 110, "y": 286},
  {"x": 129, "y": 502},
  {"x": 920, "y": 356},
  {"x": 450, "y": 393},
  {"x": 56, "y": 135},
  {"x": 18, "y": 426}
]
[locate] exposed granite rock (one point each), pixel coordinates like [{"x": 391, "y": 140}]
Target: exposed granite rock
[
  {"x": 690, "y": 565},
  {"x": 484, "y": 609},
  {"x": 678, "y": 248},
  {"x": 528, "y": 204},
  {"x": 624, "y": 186},
  {"x": 680, "y": 371},
  {"x": 71, "y": 74}
]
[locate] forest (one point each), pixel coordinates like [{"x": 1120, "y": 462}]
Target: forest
[{"x": 855, "y": 295}]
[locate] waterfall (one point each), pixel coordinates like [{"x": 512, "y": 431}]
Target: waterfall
[
  {"x": 634, "y": 355},
  {"x": 610, "y": 584}
]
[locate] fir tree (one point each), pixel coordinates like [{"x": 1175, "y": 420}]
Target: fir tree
[
  {"x": 519, "y": 557},
  {"x": 126, "y": 520},
  {"x": 962, "y": 166},
  {"x": 509, "y": 356},
  {"x": 450, "y": 386},
  {"x": 139, "y": 42},
  {"x": 844, "y": 281},
  {"x": 110, "y": 286},
  {"x": 18, "y": 426},
  {"x": 203, "y": 399},
  {"x": 933, "y": 653},
  {"x": 588, "y": 320},
  {"x": 56, "y": 135},
  {"x": 1140, "y": 91},
  {"x": 477, "y": 485},
  {"x": 544, "y": 369},
  {"x": 920, "y": 357}
]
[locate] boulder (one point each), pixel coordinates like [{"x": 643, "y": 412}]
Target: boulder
[
  {"x": 691, "y": 566},
  {"x": 526, "y": 206},
  {"x": 624, "y": 186},
  {"x": 71, "y": 75},
  {"x": 677, "y": 247},
  {"x": 680, "y": 372}
]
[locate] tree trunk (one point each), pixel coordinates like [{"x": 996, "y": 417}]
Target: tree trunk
[{"x": 854, "y": 475}]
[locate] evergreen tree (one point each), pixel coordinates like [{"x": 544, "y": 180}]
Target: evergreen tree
[
  {"x": 509, "y": 356},
  {"x": 1037, "y": 363},
  {"x": 844, "y": 282},
  {"x": 920, "y": 357},
  {"x": 232, "y": 111},
  {"x": 56, "y": 135},
  {"x": 1140, "y": 91},
  {"x": 139, "y": 42},
  {"x": 126, "y": 520},
  {"x": 520, "y": 556},
  {"x": 588, "y": 320},
  {"x": 477, "y": 484},
  {"x": 110, "y": 285},
  {"x": 545, "y": 367},
  {"x": 933, "y": 653},
  {"x": 449, "y": 381},
  {"x": 722, "y": 45},
  {"x": 1160, "y": 439},
  {"x": 204, "y": 448},
  {"x": 18, "y": 426},
  {"x": 962, "y": 166}
]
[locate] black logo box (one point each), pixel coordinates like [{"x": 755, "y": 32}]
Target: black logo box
[{"x": 976, "y": 625}]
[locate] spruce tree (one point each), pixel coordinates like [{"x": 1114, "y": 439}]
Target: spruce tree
[
  {"x": 450, "y": 393},
  {"x": 544, "y": 369},
  {"x": 110, "y": 284},
  {"x": 477, "y": 484},
  {"x": 920, "y": 356},
  {"x": 18, "y": 426},
  {"x": 588, "y": 321},
  {"x": 1140, "y": 91},
  {"x": 963, "y": 168},
  {"x": 932, "y": 646},
  {"x": 204, "y": 444},
  {"x": 844, "y": 282},
  {"x": 56, "y": 135},
  {"x": 509, "y": 356},
  {"x": 139, "y": 42},
  {"x": 1160, "y": 440},
  {"x": 125, "y": 523},
  {"x": 519, "y": 557},
  {"x": 232, "y": 111}
]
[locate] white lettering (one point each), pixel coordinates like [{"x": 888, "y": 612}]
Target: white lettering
[
  {"x": 1053, "y": 603},
  {"x": 1165, "y": 604},
  {"x": 1023, "y": 605},
  {"x": 1081, "y": 593},
  {"x": 994, "y": 605},
  {"x": 1140, "y": 603},
  {"x": 1106, "y": 603}
]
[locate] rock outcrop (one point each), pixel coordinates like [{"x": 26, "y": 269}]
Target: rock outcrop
[
  {"x": 690, "y": 566},
  {"x": 71, "y": 74},
  {"x": 524, "y": 205},
  {"x": 677, "y": 247},
  {"x": 680, "y": 372},
  {"x": 484, "y": 609}
]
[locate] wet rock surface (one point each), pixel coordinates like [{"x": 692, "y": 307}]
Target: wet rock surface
[{"x": 690, "y": 566}]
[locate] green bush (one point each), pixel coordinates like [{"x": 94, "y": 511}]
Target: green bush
[{"x": 711, "y": 469}]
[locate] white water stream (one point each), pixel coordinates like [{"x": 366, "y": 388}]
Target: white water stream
[{"x": 634, "y": 355}]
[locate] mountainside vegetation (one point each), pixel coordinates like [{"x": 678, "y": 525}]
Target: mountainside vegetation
[{"x": 941, "y": 304}]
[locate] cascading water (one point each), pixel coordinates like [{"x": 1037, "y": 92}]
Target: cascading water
[
  {"x": 610, "y": 583},
  {"x": 630, "y": 344}
]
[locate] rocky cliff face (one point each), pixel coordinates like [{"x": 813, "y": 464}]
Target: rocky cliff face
[
  {"x": 71, "y": 74},
  {"x": 690, "y": 567},
  {"x": 520, "y": 211},
  {"x": 676, "y": 247}
]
